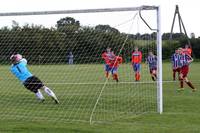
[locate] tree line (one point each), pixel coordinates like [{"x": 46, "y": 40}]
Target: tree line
[{"x": 41, "y": 45}]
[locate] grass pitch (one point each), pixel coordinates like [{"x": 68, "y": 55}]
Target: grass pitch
[{"x": 123, "y": 107}]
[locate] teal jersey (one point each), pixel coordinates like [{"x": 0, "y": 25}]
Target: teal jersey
[{"x": 20, "y": 70}]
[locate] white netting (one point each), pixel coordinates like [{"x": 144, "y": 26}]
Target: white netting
[{"x": 84, "y": 92}]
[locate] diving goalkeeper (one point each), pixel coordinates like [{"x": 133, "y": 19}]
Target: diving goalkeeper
[{"x": 31, "y": 82}]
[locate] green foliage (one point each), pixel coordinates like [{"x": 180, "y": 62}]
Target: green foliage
[{"x": 51, "y": 45}]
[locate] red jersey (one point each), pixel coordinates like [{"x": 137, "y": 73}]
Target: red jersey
[
  {"x": 187, "y": 51},
  {"x": 115, "y": 63},
  {"x": 137, "y": 57},
  {"x": 107, "y": 57}
]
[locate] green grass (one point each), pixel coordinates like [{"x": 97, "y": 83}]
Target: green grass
[{"x": 122, "y": 108}]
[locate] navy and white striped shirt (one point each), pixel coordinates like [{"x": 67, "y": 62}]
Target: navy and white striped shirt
[
  {"x": 152, "y": 61},
  {"x": 185, "y": 59},
  {"x": 175, "y": 59}
]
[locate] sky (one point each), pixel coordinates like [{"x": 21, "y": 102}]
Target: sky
[{"x": 189, "y": 10}]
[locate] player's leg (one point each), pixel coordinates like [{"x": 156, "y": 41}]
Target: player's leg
[
  {"x": 181, "y": 81},
  {"x": 30, "y": 85},
  {"x": 115, "y": 75},
  {"x": 39, "y": 95},
  {"x": 138, "y": 72},
  {"x": 153, "y": 74},
  {"x": 174, "y": 74},
  {"x": 37, "y": 84},
  {"x": 107, "y": 69},
  {"x": 185, "y": 71},
  {"x": 189, "y": 84},
  {"x": 50, "y": 93}
]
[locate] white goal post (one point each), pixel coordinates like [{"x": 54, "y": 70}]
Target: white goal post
[{"x": 95, "y": 102}]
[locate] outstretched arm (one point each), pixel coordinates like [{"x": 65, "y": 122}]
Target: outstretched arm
[{"x": 24, "y": 61}]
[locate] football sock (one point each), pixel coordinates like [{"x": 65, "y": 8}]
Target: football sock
[
  {"x": 153, "y": 78},
  {"x": 137, "y": 76},
  {"x": 155, "y": 75},
  {"x": 181, "y": 83},
  {"x": 115, "y": 77},
  {"x": 174, "y": 75},
  {"x": 190, "y": 85},
  {"x": 39, "y": 95},
  {"x": 49, "y": 92},
  {"x": 107, "y": 74}
]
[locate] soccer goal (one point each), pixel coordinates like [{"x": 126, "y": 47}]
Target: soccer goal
[{"x": 64, "y": 50}]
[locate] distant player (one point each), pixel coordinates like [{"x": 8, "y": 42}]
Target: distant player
[
  {"x": 114, "y": 65},
  {"x": 31, "y": 82},
  {"x": 175, "y": 64},
  {"x": 136, "y": 62},
  {"x": 185, "y": 60},
  {"x": 70, "y": 58},
  {"x": 107, "y": 56},
  {"x": 152, "y": 62},
  {"x": 187, "y": 50}
]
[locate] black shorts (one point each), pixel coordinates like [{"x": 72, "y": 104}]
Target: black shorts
[{"x": 33, "y": 84}]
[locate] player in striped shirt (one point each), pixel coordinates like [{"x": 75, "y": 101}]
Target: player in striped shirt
[
  {"x": 175, "y": 64},
  {"x": 185, "y": 60},
  {"x": 152, "y": 62},
  {"x": 31, "y": 82},
  {"x": 114, "y": 65},
  {"x": 107, "y": 56},
  {"x": 136, "y": 62}
]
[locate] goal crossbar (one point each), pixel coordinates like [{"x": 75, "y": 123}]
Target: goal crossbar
[{"x": 79, "y": 11}]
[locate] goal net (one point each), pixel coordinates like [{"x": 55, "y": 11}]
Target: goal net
[{"x": 64, "y": 50}]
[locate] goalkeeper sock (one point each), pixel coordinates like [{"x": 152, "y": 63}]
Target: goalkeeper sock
[
  {"x": 49, "y": 92},
  {"x": 39, "y": 95},
  {"x": 190, "y": 85}
]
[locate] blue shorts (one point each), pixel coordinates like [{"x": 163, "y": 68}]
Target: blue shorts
[
  {"x": 136, "y": 67},
  {"x": 107, "y": 68},
  {"x": 114, "y": 70}
]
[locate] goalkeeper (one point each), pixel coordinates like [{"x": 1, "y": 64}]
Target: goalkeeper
[{"x": 31, "y": 82}]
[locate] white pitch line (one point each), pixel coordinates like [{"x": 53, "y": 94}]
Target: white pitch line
[{"x": 102, "y": 83}]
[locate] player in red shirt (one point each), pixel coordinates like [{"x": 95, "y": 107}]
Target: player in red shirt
[
  {"x": 107, "y": 56},
  {"x": 136, "y": 62},
  {"x": 185, "y": 60},
  {"x": 187, "y": 50},
  {"x": 114, "y": 64}
]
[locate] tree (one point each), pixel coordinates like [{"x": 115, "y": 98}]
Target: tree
[
  {"x": 68, "y": 24},
  {"x": 106, "y": 29}
]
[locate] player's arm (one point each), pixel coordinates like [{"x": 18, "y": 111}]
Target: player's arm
[
  {"x": 104, "y": 56},
  {"x": 190, "y": 59},
  {"x": 132, "y": 58},
  {"x": 120, "y": 60},
  {"x": 140, "y": 57},
  {"x": 24, "y": 61}
]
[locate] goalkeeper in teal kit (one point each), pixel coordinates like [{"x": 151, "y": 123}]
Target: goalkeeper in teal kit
[{"x": 31, "y": 82}]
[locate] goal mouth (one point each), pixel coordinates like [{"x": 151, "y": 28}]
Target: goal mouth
[{"x": 64, "y": 49}]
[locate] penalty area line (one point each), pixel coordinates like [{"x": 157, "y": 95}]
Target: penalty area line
[{"x": 111, "y": 83}]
